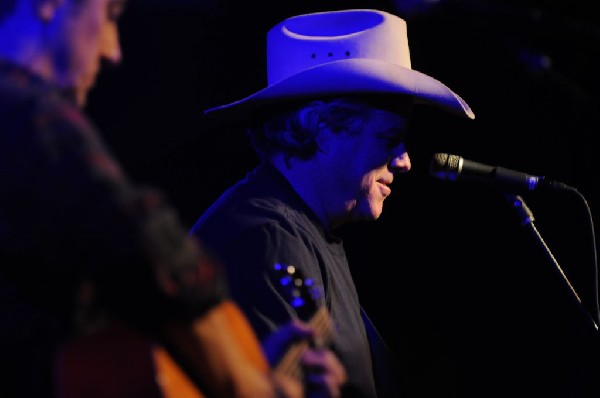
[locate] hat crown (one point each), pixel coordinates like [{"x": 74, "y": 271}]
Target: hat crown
[{"x": 305, "y": 41}]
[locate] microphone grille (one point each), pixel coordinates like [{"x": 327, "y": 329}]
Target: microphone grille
[{"x": 444, "y": 166}]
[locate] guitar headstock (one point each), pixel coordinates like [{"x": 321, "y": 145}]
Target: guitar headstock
[{"x": 302, "y": 293}]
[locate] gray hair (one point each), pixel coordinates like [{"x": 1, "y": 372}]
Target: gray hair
[{"x": 294, "y": 132}]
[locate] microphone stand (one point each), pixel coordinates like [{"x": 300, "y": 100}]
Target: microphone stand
[{"x": 527, "y": 219}]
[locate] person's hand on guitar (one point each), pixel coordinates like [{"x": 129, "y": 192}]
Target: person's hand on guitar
[
  {"x": 301, "y": 369},
  {"x": 324, "y": 374}
]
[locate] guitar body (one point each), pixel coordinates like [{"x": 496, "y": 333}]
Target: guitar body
[
  {"x": 173, "y": 382},
  {"x": 118, "y": 362}
]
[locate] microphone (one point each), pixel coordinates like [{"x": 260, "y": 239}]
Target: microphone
[{"x": 453, "y": 167}]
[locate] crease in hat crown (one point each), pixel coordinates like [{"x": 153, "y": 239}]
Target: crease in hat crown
[
  {"x": 356, "y": 51},
  {"x": 330, "y": 36}
]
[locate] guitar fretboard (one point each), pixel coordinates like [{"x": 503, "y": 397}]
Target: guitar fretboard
[{"x": 290, "y": 363}]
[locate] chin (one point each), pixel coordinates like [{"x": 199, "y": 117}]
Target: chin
[
  {"x": 81, "y": 98},
  {"x": 372, "y": 215},
  {"x": 376, "y": 211},
  {"x": 368, "y": 211},
  {"x": 78, "y": 97}
]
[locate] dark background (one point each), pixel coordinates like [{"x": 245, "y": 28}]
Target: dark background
[{"x": 467, "y": 297}]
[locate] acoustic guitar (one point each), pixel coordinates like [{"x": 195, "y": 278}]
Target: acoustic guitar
[
  {"x": 116, "y": 361},
  {"x": 119, "y": 362}
]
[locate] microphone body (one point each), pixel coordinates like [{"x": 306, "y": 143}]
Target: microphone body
[{"x": 453, "y": 167}]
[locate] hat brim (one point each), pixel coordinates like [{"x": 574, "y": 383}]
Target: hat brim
[{"x": 348, "y": 77}]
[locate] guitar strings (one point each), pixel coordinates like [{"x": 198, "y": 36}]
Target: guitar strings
[{"x": 290, "y": 363}]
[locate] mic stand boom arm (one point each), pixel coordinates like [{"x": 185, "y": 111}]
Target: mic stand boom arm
[{"x": 527, "y": 219}]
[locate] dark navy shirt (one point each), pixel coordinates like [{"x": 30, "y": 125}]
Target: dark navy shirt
[{"x": 262, "y": 221}]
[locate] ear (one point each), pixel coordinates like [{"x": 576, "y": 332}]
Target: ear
[
  {"x": 46, "y": 9},
  {"x": 324, "y": 134}
]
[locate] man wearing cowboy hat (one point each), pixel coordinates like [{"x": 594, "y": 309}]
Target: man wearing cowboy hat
[{"x": 330, "y": 129}]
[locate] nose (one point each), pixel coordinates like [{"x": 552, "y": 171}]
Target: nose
[
  {"x": 400, "y": 161},
  {"x": 111, "y": 46}
]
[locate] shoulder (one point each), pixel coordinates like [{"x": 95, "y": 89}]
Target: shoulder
[{"x": 251, "y": 202}]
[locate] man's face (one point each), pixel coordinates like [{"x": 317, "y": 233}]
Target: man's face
[
  {"x": 81, "y": 34},
  {"x": 358, "y": 169}
]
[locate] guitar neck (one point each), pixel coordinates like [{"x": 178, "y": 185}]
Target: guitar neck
[{"x": 323, "y": 326}]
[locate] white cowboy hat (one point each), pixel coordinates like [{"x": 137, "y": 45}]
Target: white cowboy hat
[{"x": 346, "y": 52}]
